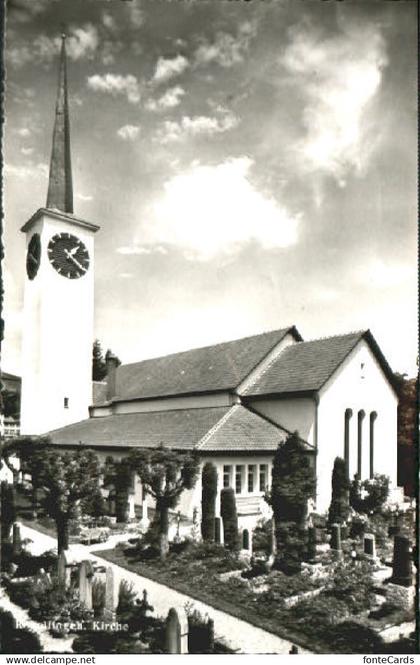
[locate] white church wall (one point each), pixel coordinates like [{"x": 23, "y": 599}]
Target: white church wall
[
  {"x": 359, "y": 384},
  {"x": 295, "y": 413}
]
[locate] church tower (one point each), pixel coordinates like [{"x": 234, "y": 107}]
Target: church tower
[{"x": 58, "y": 299}]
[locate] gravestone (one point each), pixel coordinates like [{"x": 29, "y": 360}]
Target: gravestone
[
  {"x": 17, "y": 539},
  {"x": 85, "y": 584},
  {"x": 369, "y": 546},
  {"x": 335, "y": 543},
  {"x": 176, "y": 631},
  {"x": 64, "y": 570},
  {"x": 401, "y": 563},
  {"x": 111, "y": 596}
]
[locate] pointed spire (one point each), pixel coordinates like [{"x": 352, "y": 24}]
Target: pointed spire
[{"x": 60, "y": 186}]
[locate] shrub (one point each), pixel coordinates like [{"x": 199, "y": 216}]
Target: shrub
[
  {"x": 262, "y": 537},
  {"x": 208, "y": 501},
  {"x": 375, "y": 490},
  {"x": 126, "y": 596},
  {"x": 8, "y": 509},
  {"x": 17, "y": 640},
  {"x": 352, "y": 637},
  {"x": 353, "y": 585},
  {"x": 293, "y": 483},
  {"x": 339, "y": 507},
  {"x": 230, "y": 518}
]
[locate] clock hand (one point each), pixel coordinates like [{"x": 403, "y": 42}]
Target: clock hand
[
  {"x": 32, "y": 258},
  {"x": 75, "y": 261}
]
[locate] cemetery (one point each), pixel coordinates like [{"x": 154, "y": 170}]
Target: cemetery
[{"x": 316, "y": 580}]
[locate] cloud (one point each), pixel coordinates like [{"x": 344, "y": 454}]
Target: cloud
[
  {"x": 26, "y": 151},
  {"x": 82, "y": 43},
  {"x": 387, "y": 275},
  {"x": 135, "y": 14},
  {"x": 140, "y": 250},
  {"x": 25, "y": 10},
  {"x": 170, "y": 99},
  {"x": 173, "y": 131},
  {"x": 213, "y": 210},
  {"x": 84, "y": 197},
  {"x": 24, "y": 132},
  {"x": 109, "y": 22},
  {"x": 128, "y": 132},
  {"x": 339, "y": 77},
  {"x": 167, "y": 68},
  {"x": 227, "y": 50},
  {"x": 116, "y": 84},
  {"x": 39, "y": 170}
]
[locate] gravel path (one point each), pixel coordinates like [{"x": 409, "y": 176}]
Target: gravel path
[{"x": 238, "y": 634}]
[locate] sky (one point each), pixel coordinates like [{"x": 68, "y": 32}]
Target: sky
[{"x": 252, "y": 165}]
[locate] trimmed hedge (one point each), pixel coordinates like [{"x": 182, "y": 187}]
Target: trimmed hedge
[
  {"x": 208, "y": 502},
  {"x": 230, "y": 518}
]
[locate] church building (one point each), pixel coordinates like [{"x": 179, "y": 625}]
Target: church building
[{"x": 233, "y": 402}]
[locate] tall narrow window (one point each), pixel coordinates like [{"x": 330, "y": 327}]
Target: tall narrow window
[
  {"x": 66, "y": 402},
  {"x": 347, "y": 415},
  {"x": 372, "y": 419},
  {"x": 251, "y": 477},
  {"x": 227, "y": 475},
  {"x": 263, "y": 477},
  {"x": 360, "y": 416},
  {"x": 239, "y": 470}
]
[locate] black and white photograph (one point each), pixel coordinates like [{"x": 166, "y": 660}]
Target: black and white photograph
[{"x": 209, "y": 339}]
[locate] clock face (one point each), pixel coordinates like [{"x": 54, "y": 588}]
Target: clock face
[
  {"x": 33, "y": 256},
  {"x": 68, "y": 255}
]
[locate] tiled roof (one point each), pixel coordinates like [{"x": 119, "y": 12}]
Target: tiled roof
[
  {"x": 243, "y": 430},
  {"x": 211, "y": 430},
  {"x": 305, "y": 366},
  {"x": 218, "y": 367}
]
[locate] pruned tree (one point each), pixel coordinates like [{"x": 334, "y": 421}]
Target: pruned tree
[
  {"x": 208, "y": 501},
  {"x": 118, "y": 474},
  {"x": 66, "y": 478},
  {"x": 339, "y": 507},
  {"x": 165, "y": 474},
  {"x": 293, "y": 484}
]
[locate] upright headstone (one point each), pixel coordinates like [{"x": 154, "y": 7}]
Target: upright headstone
[
  {"x": 131, "y": 507},
  {"x": 17, "y": 539},
  {"x": 176, "y": 631},
  {"x": 64, "y": 571},
  {"x": 369, "y": 546},
  {"x": 402, "y": 565},
  {"x": 144, "y": 522},
  {"x": 111, "y": 596},
  {"x": 85, "y": 584},
  {"x": 335, "y": 543}
]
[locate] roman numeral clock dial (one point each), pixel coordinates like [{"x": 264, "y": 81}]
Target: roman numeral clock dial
[{"x": 68, "y": 255}]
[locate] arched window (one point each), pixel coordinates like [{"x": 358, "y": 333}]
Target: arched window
[
  {"x": 245, "y": 539},
  {"x": 347, "y": 415},
  {"x": 360, "y": 416},
  {"x": 372, "y": 419}
]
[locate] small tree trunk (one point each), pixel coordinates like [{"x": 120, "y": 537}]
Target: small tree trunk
[
  {"x": 163, "y": 530},
  {"x": 121, "y": 505},
  {"x": 62, "y": 525}
]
